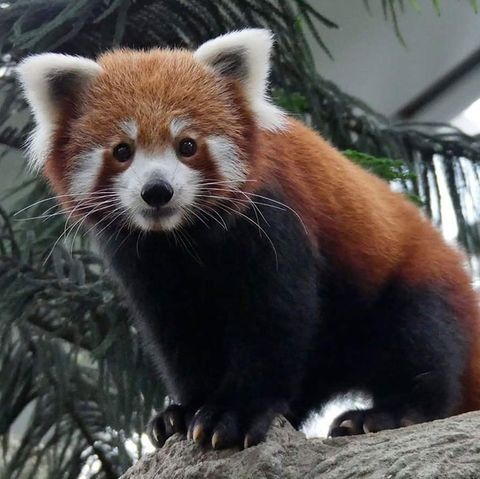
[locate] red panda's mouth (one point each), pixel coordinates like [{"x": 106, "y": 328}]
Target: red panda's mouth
[{"x": 158, "y": 213}]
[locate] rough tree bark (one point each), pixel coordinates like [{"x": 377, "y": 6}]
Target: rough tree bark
[{"x": 448, "y": 448}]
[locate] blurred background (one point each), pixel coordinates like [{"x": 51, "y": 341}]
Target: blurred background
[{"x": 393, "y": 83}]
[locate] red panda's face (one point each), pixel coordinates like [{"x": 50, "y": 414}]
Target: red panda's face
[
  {"x": 159, "y": 130},
  {"x": 150, "y": 139}
]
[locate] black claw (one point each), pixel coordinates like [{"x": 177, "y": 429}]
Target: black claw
[
  {"x": 156, "y": 431},
  {"x": 349, "y": 423},
  {"x": 163, "y": 425},
  {"x": 174, "y": 417},
  {"x": 227, "y": 432},
  {"x": 202, "y": 424},
  {"x": 352, "y": 423}
]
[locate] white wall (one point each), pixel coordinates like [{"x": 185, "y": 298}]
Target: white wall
[{"x": 371, "y": 63}]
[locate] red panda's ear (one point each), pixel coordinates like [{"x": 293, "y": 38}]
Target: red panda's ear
[
  {"x": 245, "y": 56},
  {"x": 51, "y": 83}
]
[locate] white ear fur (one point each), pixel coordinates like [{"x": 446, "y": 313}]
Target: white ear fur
[
  {"x": 48, "y": 80},
  {"x": 245, "y": 55}
]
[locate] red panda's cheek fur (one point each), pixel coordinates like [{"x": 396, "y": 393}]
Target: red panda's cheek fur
[
  {"x": 58, "y": 163},
  {"x": 203, "y": 163},
  {"x": 110, "y": 170}
]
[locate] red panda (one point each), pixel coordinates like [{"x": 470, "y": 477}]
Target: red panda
[{"x": 266, "y": 272}]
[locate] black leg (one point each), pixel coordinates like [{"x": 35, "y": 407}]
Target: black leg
[{"x": 410, "y": 354}]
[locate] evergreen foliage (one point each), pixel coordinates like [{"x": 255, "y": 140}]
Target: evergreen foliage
[{"x": 70, "y": 362}]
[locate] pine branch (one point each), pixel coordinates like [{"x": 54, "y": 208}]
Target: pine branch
[{"x": 107, "y": 467}]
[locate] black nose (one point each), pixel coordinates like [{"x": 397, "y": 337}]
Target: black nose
[{"x": 157, "y": 193}]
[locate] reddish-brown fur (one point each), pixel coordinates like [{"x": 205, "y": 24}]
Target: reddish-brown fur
[{"x": 371, "y": 233}]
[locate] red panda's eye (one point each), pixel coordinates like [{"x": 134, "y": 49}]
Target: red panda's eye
[
  {"x": 122, "y": 152},
  {"x": 187, "y": 147}
]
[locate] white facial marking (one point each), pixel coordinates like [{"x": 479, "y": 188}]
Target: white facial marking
[
  {"x": 166, "y": 166},
  {"x": 130, "y": 128},
  {"x": 225, "y": 154},
  {"x": 177, "y": 126},
  {"x": 86, "y": 170},
  {"x": 36, "y": 74},
  {"x": 249, "y": 51}
]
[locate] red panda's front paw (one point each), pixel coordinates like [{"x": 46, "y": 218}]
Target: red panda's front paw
[
  {"x": 172, "y": 420},
  {"x": 215, "y": 426},
  {"x": 223, "y": 428}
]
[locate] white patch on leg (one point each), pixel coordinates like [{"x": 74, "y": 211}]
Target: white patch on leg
[{"x": 225, "y": 154}]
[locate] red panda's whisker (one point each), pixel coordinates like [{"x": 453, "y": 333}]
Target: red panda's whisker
[
  {"x": 185, "y": 242},
  {"x": 103, "y": 207},
  {"x": 42, "y": 216},
  {"x": 54, "y": 198},
  {"x": 72, "y": 242},
  {"x": 115, "y": 217},
  {"x": 247, "y": 201},
  {"x": 278, "y": 203},
  {"x": 232, "y": 210},
  {"x": 140, "y": 236},
  {"x": 189, "y": 210},
  {"x": 45, "y": 215},
  {"x": 68, "y": 229},
  {"x": 115, "y": 214},
  {"x": 257, "y": 210},
  {"x": 208, "y": 215},
  {"x": 189, "y": 241},
  {"x": 119, "y": 209},
  {"x": 221, "y": 222},
  {"x": 94, "y": 209},
  {"x": 130, "y": 231},
  {"x": 130, "y": 225},
  {"x": 82, "y": 221},
  {"x": 90, "y": 203},
  {"x": 79, "y": 208},
  {"x": 56, "y": 205},
  {"x": 221, "y": 182},
  {"x": 214, "y": 211}
]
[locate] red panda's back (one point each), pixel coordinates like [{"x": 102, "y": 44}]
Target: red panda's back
[
  {"x": 370, "y": 234},
  {"x": 352, "y": 215}
]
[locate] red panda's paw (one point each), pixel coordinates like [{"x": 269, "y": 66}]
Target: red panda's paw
[
  {"x": 172, "y": 420},
  {"x": 356, "y": 422},
  {"x": 221, "y": 428}
]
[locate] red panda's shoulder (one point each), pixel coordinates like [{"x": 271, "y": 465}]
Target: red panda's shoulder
[{"x": 364, "y": 227}]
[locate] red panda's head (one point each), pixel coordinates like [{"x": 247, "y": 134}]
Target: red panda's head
[{"x": 146, "y": 136}]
